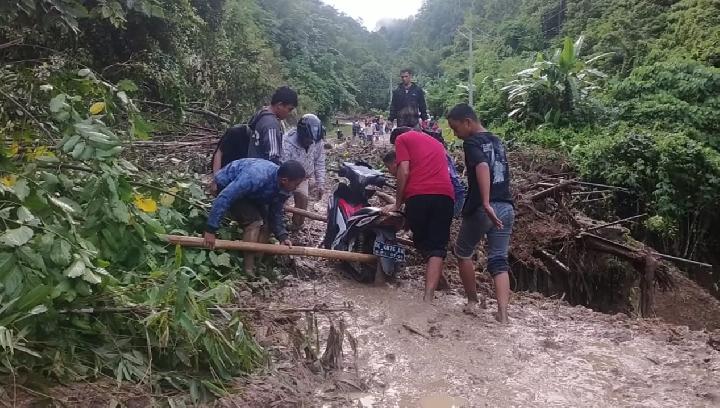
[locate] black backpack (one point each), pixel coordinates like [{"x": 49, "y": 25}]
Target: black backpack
[{"x": 235, "y": 142}]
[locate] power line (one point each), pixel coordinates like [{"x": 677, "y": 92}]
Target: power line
[{"x": 564, "y": 10}]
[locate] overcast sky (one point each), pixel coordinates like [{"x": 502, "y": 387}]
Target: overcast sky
[{"x": 372, "y": 11}]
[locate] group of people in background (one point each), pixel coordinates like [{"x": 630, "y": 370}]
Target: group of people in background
[
  {"x": 370, "y": 129},
  {"x": 257, "y": 167}
]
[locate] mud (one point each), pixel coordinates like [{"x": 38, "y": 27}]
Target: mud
[
  {"x": 550, "y": 355},
  {"x": 411, "y": 354}
]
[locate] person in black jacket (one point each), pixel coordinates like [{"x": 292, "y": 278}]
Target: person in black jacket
[
  {"x": 408, "y": 102},
  {"x": 266, "y": 133}
]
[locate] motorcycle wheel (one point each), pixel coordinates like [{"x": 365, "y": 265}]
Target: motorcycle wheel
[{"x": 361, "y": 272}]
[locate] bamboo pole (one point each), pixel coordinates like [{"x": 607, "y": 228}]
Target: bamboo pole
[
  {"x": 610, "y": 224},
  {"x": 197, "y": 242},
  {"x": 586, "y": 235}
]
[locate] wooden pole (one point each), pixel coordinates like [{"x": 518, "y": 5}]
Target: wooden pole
[
  {"x": 306, "y": 213},
  {"x": 197, "y": 242},
  {"x": 647, "y": 285},
  {"x": 610, "y": 224},
  {"x": 627, "y": 250},
  {"x": 385, "y": 197},
  {"x": 552, "y": 190}
]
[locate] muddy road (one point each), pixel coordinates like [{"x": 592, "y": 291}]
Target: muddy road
[
  {"x": 551, "y": 355},
  {"x": 411, "y": 354}
]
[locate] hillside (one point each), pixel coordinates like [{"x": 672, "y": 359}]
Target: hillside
[{"x": 629, "y": 90}]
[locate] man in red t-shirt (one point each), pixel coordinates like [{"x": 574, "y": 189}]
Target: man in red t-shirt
[{"x": 420, "y": 165}]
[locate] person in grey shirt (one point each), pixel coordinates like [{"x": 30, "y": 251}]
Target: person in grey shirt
[
  {"x": 267, "y": 139},
  {"x": 306, "y": 145}
]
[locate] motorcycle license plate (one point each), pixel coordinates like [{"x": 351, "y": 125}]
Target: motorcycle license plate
[{"x": 394, "y": 252}]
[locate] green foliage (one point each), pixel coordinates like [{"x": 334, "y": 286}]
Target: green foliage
[
  {"x": 373, "y": 88},
  {"x": 554, "y": 91},
  {"x": 87, "y": 287},
  {"x": 676, "y": 177},
  {"x": 327, "y": 56},
  {"x": 673, "y": 95}
]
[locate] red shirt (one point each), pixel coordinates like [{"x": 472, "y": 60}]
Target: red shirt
[{"x": 428, "y": 165}]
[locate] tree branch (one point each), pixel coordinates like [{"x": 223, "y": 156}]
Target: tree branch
[{"x": 192, "y": 110}]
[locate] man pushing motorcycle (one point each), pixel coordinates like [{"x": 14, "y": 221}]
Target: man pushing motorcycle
[{"x": 420, "y": 165}]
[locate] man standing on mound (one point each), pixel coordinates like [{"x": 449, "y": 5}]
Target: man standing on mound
[{"x": 488, "y": 211}]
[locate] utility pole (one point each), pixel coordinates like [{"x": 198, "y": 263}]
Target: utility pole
[
  {"x": 391, "y": 87},
  {"x": 471, "y": 67},
  {"x": 471, "y": 72}
]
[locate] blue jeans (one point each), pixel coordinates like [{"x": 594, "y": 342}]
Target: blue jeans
[{"x": 477, "y": 225}]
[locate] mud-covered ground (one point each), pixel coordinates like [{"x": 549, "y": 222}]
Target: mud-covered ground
[
  {"x": 417, "y": 355},
  {"x": 410, "y": 354},
  {"x": 400, "y": 352}
]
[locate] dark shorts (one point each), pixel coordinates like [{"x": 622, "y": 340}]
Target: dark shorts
[
  {"x": 429, "y": 217},
  {"x": 246, "y": 212},
  {"x": 476, "y": 226}
]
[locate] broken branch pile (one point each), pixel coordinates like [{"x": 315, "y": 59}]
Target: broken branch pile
[{"x": 558, "y": 249}]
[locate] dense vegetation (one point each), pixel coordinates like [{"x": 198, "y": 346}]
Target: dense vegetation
[
  {"x": 629, "y": 90},
  {"x": 87, "y": 289}
]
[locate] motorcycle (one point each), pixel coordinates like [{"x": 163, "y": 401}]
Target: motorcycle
[{"x": 355, "y": 226}]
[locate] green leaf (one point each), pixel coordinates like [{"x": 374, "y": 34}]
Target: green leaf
[
  {"x": 178, "y": 256},
  {"x": 140, "y": 128},
  {"x": 26, "y": 217},
  {"x": 76, "y": 269},
  {"x": 7, "y": 264},
  {"x": 567, "y": 56},
  {"x": 39, "y": 309},
  {"x": 120, "y": 212},
  {"x": 32, "y": 258},
  {"x": 183, "y": 283},
  {"x": 64, "y": 204},
  {"x": 200, "y": 258},
  {"x": 34, "y": 297},
  {"x": 65, "y": 286},
  {"x": 21, "y": 189},
  {"x": 127, "y": 85},
  {"x": 90, "y": 277},
  {"x": 123, "y": 97},
  {"x": 60, "y": 254},
  {"x": 16, "y": 237},
  {"x": 58, "y": 103},
  {"x": 221, "y": 259}
]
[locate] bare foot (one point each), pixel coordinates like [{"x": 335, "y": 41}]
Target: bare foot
[
  {"x": 502, "y": 317},
  {"x": 429, "y": 296},
  {"x": 470, "y": 308}
]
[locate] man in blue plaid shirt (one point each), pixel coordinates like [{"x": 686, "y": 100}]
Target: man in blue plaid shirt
[{"x": 254, "y": 191}]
